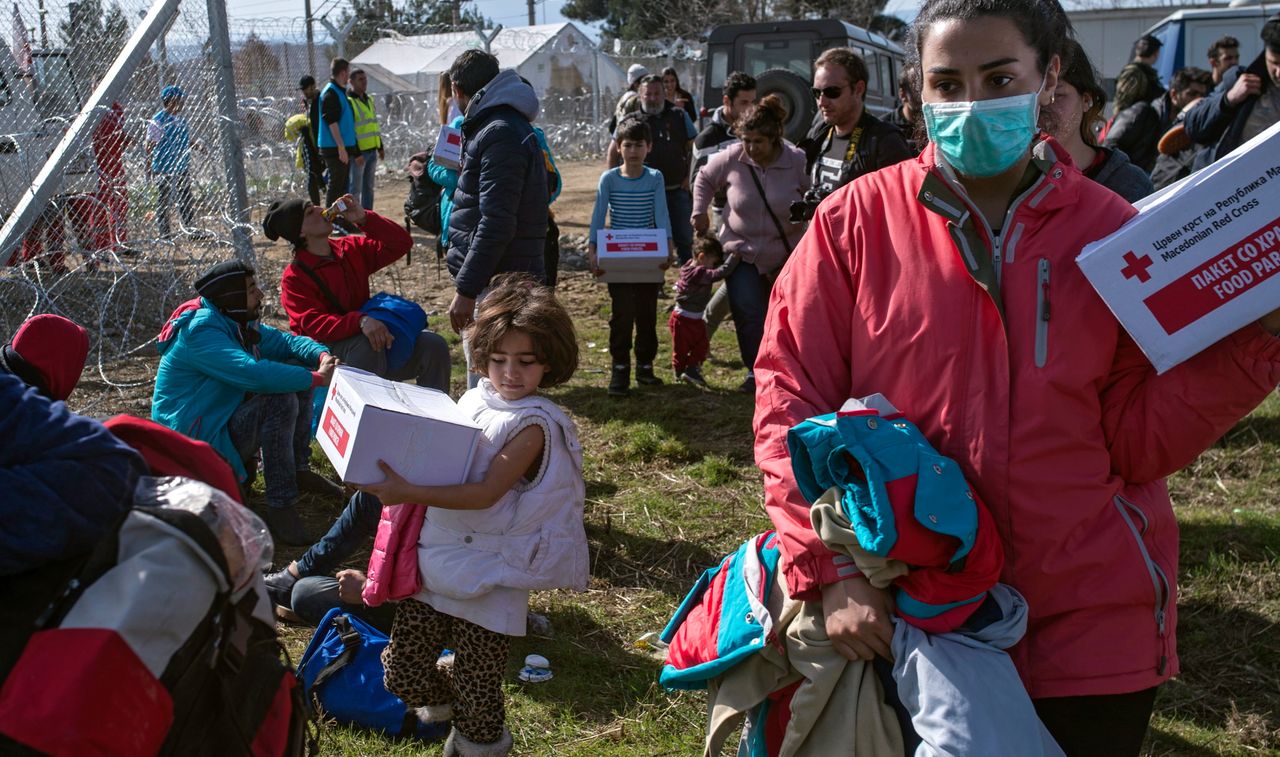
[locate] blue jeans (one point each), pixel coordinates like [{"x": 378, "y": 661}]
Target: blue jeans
[
  {"x": 362, "y": 180},
  {"x": 680, "y": 208},
  {"x": 316, "y": 595},
  {"x": 358, "y": 521},
  {"x": 748, "y": 301},
  {"x": 279, "y": 425}
]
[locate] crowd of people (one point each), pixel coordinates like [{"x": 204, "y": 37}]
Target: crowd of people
[{"x": 897, "y": 257}]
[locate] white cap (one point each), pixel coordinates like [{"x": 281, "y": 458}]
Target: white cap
[
  {"x": 537, "y": 661},
  {"x": 636, "y": 73}
]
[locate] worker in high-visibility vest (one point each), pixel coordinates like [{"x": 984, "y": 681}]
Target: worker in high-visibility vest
[{"x": 368, "y": 138}]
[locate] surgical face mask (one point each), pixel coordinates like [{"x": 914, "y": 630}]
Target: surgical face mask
[{"x": 983, "y": 138}]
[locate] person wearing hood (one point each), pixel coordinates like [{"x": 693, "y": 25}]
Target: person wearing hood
[
  {"x": 47, "y": 352},
  {"x": 1077, "y": 104},
  {"x": 499, "y": 218},
  {"x": 242, "y": 386}
]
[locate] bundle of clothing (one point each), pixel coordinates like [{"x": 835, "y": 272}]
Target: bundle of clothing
[{"x": 904, "y": 517}]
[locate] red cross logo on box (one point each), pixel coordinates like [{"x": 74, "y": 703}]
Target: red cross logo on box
[{"x": 1137, "y": 266}]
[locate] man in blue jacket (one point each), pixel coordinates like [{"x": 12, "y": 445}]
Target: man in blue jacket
[
  {"x": 499, "y": 217},
  {"x": 1245, "y": 104},
  {"x": 242, "y": 386}
]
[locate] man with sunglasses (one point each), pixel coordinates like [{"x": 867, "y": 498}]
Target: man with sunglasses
[{"x": 848, "y": 141}]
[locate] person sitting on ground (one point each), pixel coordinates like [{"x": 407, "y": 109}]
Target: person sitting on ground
[
  {"x": 241, "y": 386},
  {"x": 66, "y": 480},
  {"x": 47, "y": 352},
  {"x": 689, "y": 340},
  {"x": 307, "y": 588},
  {"x": 1076, "y": 108},
  {"x": 325, "y": 287}
]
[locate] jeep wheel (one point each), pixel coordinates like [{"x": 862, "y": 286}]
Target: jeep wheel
[{"x": 794, "y": 92}]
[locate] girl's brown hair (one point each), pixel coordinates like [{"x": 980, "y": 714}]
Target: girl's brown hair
[
  {"x": 767, "y": 117},
  {"x": 518, "y": 303}
]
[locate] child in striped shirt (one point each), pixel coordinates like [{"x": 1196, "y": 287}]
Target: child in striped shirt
[{"x": 635, "y": 197}]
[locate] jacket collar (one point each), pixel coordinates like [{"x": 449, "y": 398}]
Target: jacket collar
[{"x": 315, "y": 261}]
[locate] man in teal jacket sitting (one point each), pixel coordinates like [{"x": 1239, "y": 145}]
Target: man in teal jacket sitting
[{"x": 242, "y": 386}]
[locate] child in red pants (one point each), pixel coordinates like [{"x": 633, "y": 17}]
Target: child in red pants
[{"x": 689, "y": 341}]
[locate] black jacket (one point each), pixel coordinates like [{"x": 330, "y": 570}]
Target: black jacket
[
  {"x": 880, "y": 145},
  {"x": 499, "y": 218},
  {"x": 1136, "y": 131}
]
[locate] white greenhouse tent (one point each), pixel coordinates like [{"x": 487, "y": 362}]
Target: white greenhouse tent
[{"x": 557, "y": 59}]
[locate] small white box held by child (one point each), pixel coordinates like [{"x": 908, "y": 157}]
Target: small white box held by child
[
  {"x": 448, "y": 152},
  {"x": 631, "y": 255},
  {"x": 1201, "y": 260},
  {"x": 420, "y": 432}
]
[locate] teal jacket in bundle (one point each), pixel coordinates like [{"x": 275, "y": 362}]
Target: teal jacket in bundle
[{"x": 206, "y": 371}]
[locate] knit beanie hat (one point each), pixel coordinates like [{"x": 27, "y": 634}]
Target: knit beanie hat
[
  {"x": 224, "y": 287},
  {"x": 48, "y": 353},
  {"x": 636, "y": 73},
  {"x": 284, "y": 221}
]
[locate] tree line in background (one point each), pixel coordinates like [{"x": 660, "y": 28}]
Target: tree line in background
[{"x": 692, "y": 19}]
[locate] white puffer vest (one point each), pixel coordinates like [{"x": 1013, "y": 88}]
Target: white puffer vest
[{"x": 532, "y": 538}]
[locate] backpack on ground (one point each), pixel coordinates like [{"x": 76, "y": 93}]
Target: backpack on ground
[
  {"x": 342, "y": 673},
  {"x": 422, "y": 206},
  {"x": 162, "y": 643}
]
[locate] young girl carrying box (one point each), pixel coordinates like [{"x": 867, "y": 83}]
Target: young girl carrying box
[{"x": 515, "y": 526}]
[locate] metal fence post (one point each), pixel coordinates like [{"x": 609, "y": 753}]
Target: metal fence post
[
  {"x": 229, "y": 121},
  {"x": 47, "y": 182}
]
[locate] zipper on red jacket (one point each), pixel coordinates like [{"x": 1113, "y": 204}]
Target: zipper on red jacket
[
  {"x": 995, "y": 240},
  {"x": 1159, "y": 581},
  {"x": 1042, "y": 312}
]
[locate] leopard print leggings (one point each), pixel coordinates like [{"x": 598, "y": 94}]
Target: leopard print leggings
[{"x": 473, "y": 685}]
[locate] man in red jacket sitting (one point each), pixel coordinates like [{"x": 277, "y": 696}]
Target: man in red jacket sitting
[{"x": 327, "y": 284}]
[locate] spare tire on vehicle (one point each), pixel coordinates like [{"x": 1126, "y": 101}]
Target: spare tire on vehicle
[{"x": 794, "y": 92}]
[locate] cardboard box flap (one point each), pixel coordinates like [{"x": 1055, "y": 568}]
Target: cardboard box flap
[{"x": 405, "y": 398}]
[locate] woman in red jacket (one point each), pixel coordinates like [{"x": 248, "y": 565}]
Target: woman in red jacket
[{"x": 930, "y": 281}]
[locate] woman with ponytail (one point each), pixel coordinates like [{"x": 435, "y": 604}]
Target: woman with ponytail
[
  {"x": 949, "y": 285},
  {"x": 762, "y": 175}
]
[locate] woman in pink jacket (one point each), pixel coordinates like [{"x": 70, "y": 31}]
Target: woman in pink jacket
[
  {"x": 763, "y": 165},
  {"x": 931, "y": 282}
]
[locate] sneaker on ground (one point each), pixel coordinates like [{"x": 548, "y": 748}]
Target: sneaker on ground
[
  {"x": 748, "y": 385},
  {"x": 645, "y": 376},
  {"x": 693, "y": 375},
  {"x": 313, "y": 483},
  {"x": 286, "y": 526},
  {"x": 280, "y": 587}
]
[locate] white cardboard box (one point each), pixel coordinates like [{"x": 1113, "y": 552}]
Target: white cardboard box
[
  {"x": 419, "y": 432},
  {"x": 1201, "y": 260},
  {"x": 448, "y": 150},
  {"x": 631, "y": 255}
]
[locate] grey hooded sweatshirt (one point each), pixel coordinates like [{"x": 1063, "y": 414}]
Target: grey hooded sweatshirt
[{"x": 1122, "y": 177}]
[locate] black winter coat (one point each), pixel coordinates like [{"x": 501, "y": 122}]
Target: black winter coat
[{"x": 499, "y": 218}]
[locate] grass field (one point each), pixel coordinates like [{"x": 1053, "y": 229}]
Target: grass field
[{"x": 671, "y": 488}]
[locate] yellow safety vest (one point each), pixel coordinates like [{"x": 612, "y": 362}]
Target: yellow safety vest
[{"x": 367, "y": 135}]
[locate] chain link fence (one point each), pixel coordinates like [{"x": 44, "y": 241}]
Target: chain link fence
[{"x": 119, "y": 243}]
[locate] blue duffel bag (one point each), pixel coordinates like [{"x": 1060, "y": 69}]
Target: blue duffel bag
[{"x": 342, "y": 672}]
